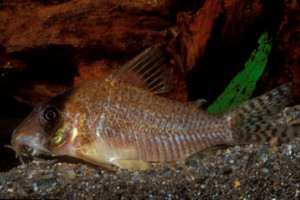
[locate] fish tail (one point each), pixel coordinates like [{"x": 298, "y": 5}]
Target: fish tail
[{"x": 254, "y": 121}]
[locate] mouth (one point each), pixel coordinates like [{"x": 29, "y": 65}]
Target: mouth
[
  {"x": 27, "y": 152},
  {"x": 27, "y": 145}
]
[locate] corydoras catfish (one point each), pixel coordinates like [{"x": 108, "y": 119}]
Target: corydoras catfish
[{"x": 123, "y": 120}]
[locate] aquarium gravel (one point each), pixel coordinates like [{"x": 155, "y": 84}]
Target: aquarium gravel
[{"x": 239, "y": 172}]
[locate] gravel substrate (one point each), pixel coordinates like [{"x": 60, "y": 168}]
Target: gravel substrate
[{"x": 240, "y": 172}]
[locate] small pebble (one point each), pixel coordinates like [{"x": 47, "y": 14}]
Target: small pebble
[
  {"x": 35, "y": 187},
  {"x": 264, "y": 158}
]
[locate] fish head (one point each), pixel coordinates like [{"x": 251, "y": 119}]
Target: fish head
[{"x": 49, "y": 128}]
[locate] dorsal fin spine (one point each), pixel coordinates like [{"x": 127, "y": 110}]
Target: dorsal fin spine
[{"x": 148, "y": 70}]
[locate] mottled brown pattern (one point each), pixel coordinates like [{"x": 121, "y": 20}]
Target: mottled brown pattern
[{"x": 254, "y": 118}]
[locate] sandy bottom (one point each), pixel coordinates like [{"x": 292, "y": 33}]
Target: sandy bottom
[{"x": 240, "y": 172}]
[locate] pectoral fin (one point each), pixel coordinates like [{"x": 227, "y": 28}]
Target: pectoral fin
[{"x": 132, "y": 164}]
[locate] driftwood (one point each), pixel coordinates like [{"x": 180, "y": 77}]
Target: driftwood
[{"x": 47, "y": 46}]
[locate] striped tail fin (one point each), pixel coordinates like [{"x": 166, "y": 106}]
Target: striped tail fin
[{"x": 254, "y": 121}]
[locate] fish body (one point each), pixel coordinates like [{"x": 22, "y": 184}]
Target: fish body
[
  {"x": 121, "y": 120},
  {"x": 133, "y": 124}
]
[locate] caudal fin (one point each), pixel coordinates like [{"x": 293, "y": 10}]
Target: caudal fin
[{"x": 254, "y": 121}]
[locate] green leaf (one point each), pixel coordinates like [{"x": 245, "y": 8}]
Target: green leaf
[{"x": 243, "y": 84}]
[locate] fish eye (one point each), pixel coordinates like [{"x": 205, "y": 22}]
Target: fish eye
[{"x": 51, "y": 113}]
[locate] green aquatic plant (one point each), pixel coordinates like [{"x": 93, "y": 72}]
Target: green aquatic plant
[{"x": 243, "y": 84}]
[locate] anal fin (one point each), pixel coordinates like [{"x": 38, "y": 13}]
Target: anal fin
[{"x": 132, "y": 164}]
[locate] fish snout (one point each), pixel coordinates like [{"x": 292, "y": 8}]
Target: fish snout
[{"x": 27, "y": 134}]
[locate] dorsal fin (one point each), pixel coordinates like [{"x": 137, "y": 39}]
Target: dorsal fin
[{"x": 148, "y": 70}]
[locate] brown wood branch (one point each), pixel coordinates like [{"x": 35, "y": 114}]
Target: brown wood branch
[
  {"x": 123, "y": 26},
  {"x": 94, "y": 38}
]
